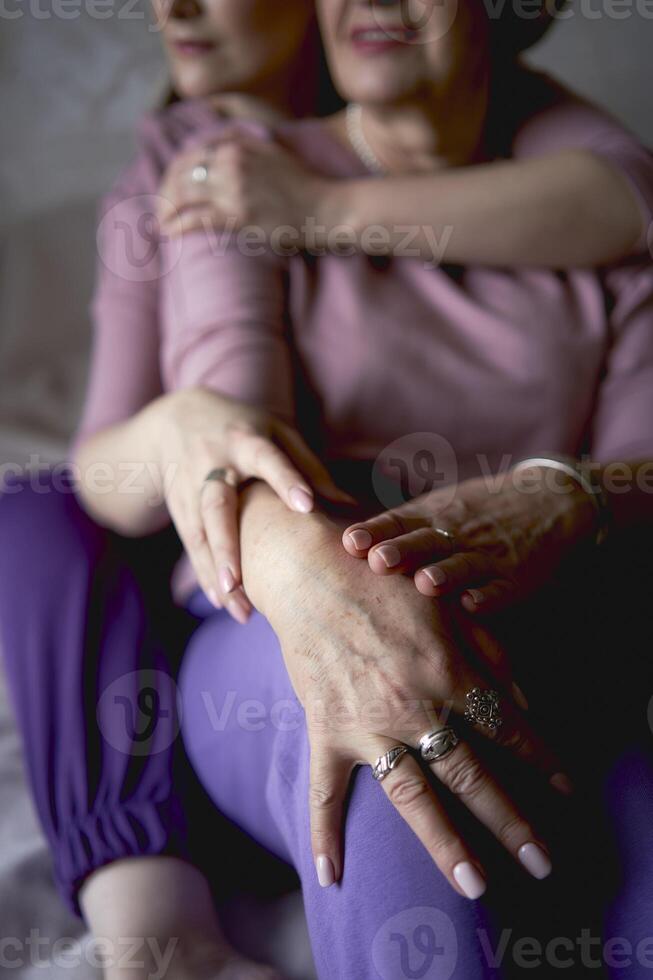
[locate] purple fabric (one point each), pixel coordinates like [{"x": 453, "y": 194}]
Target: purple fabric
[
  {"x": 393, "y": 915},
  {"x": 81, "y": 648},
  {"x": 91, "y": 681}
]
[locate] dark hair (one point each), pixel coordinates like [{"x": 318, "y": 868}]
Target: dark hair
[{"x": 517, "y": 27}]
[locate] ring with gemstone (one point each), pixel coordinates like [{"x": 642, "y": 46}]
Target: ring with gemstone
[
  {"x": 437, "y": 744},
  {"x": 483, "y": 708}
]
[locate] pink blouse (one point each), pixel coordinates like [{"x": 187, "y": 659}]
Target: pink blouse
[{"x": 362, "y": 351}]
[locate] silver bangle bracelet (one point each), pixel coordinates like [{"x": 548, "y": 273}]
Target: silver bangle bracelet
[{"x": 572, "y": 468}]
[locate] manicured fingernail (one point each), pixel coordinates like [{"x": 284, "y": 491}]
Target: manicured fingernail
[
  {"x": 360, "y": 539},
  {"x": 391, "y": 556},
  {"x": 301, "y": 500},
  {"x": 519, "y": 697},
  {"x": 436, "y": 575},
  {"x": 239, "y": 608},
  {"x": 474, "y": 594},
  {"x": 226, "y": 580},
  {"x": 470, "y": 879},
  {"x": 562, "y": 783},
  {"x": 214, "y": 598},
  {"x": 536, "y": 861},
  {"x": 326, "y": 874}
]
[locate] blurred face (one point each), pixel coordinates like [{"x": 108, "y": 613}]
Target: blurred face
[
  {"x": 389, "y": 51},
  {"x": 220, "y": 46}
]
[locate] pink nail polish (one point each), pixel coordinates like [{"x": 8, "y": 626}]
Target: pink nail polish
[
  {"x": 301, "y": 500},
  {"x": 562, "y": 783},
  {"x": 390, "y": 554},
  {"x": 326, "y": 874},
  {"x": 437, "y": 576},
  {"x": 226, "y": 580},
  {"x": 239, "y": 609},
  {"x": 470, "y": 879},
  {"x": 361, "y": 539},
  {"x": 536, "y": 861}
]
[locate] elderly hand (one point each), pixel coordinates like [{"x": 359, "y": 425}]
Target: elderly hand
[
  {"x": 376, "y": 665},
  {"x": 249, "y": 181},
  {"x": 508, "y": 540},
  {"x": 196, "y": 432}
]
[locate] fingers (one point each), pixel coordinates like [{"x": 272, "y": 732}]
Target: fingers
[
  {"x": 329, "y": 780},
  {"x": 257, "y": 456},
  {"x": 358, "y": 538},
  {"x": 490, "y": 652},
  {"x": 463, "y": 774},
  {"x": 490, "y": 597},
  {"x": 219, "y": 518},
  {"x": 408, "y": 790},
  {"x": 312, "y": 467},
  {"x": 408, "y": 552},
  {"x": 458, "y": 571},
  {"x": 517, "y": 736}
]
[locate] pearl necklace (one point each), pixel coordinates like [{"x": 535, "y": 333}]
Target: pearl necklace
[{"x": 358, "y": 140}]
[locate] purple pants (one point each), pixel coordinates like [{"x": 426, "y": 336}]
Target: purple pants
[{"x": 92, "y": 659}]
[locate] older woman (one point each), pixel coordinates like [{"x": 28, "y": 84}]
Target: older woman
[{"x": 498, "y": 365}]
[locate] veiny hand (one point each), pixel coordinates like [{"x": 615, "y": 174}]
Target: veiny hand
[
  {"x": 507, "y": 542},
  {"x": 251, "y": 181},
  {"x": 374, "y": 665},
  {"x": 197, "y": 431}
]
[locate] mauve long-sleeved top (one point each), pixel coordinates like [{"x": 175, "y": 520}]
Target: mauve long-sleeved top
[{"x": 363, "y": 350}]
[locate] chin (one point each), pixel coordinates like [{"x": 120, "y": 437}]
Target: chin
[{"x": 193, "y": 84}]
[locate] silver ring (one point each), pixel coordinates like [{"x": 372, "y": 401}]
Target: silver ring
[
  {"x": 199, "y": 174},
  {"x": 483, "y": 708},
  {"x": 386, "y": 763},
  {"x": 448, "y": 535},
  {"x": 435, "y": 745},
  {"x": 222, "y": 474}
]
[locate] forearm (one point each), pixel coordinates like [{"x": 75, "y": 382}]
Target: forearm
[
  {"x": 281, "y": 551},
  {"x": 569, "y": 209},
  {"x": 120, "y": 479}
]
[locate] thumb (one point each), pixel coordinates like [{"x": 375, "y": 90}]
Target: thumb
[{"x": 313, "y": 468}]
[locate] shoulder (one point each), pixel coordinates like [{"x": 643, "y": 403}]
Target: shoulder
[
  {"x": 315, "y": 142},
  {"x": 534, "y": 113},
  {"x": 159, "y": 136}
]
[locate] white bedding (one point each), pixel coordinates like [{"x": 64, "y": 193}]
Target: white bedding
[{"x": 70, "y": 91}]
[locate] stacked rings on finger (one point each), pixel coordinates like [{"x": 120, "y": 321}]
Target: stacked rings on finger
[
  {"x": 387, "y": 762},
  {"x": 483, "y": 708},
  {"x": 199, "y": 174},
  {"x": 438, "y": 744}
]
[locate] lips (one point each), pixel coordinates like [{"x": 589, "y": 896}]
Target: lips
[
  {"x": 191, "y": 48},
  {"x": 376, "y": 38}
]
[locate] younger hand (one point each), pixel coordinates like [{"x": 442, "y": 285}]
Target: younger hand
[
  {"x": 251, "y": 181},
  {"x": 197, "y": 432}
]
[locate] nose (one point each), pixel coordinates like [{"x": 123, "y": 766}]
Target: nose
[{"x": 183, "y": 9}]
